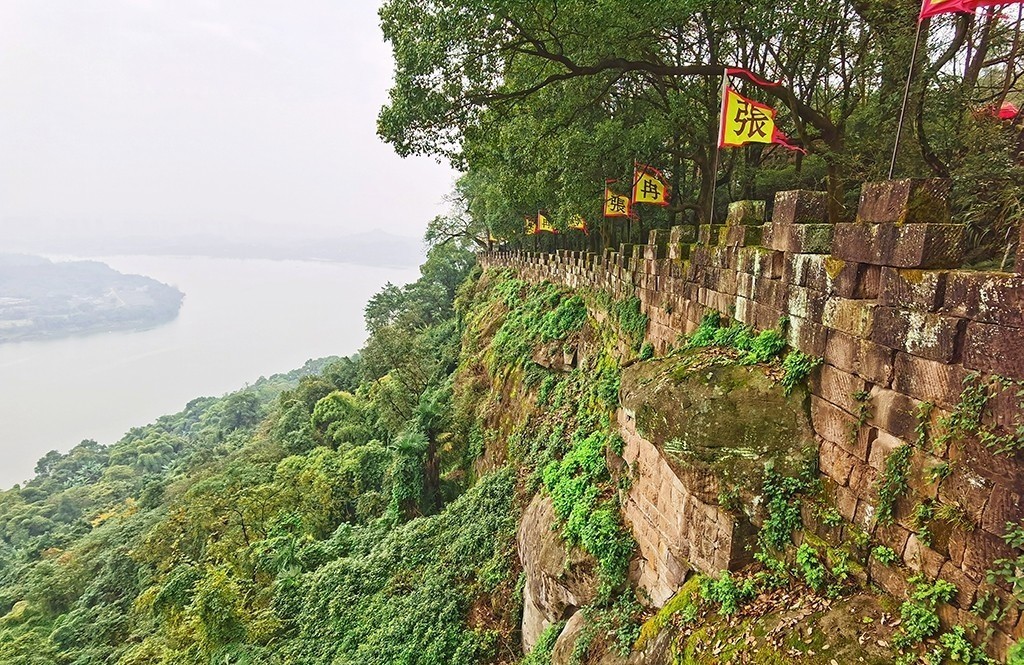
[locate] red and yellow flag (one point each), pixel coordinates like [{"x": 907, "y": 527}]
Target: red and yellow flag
[
  {"x": 530, "y": 226},
  {"x": 649, "y": 186},
  {"x": 577, "y": 222},
  {"x": 544, "y": 224},
  {"x": 615, "y": 205},
  {"x": 745, "y": 121}
]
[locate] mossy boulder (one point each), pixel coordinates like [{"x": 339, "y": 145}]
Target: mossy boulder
[{"x": 711, "y": 416}]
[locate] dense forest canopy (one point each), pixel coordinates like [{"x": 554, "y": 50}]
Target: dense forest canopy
[
  {"x": 232, "y": 531},
  {"x": 540, "y": 102}
]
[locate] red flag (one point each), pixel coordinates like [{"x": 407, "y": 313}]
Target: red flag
[{"x": 933, "y": 7}]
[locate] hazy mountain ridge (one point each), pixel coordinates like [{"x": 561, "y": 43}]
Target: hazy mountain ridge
[
  {"x": 43, "y": 299},
  {"x": 373, "y": 248}
]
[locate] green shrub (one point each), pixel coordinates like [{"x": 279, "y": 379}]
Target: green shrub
[
  {"x": 727, "y": 593},
  {"x": 810, "y": 566},
  {"x": 892, "y": 484},
  {"x": 885, "y": 555},
  {"x": 782, "y": 508},
  {"x": 796, "y": 367}
]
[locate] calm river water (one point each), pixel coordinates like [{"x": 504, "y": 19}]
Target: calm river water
[{"x": 241, "y": 319}]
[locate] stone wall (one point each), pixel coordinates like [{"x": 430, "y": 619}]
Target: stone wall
[{"x": 899, "y": 328}]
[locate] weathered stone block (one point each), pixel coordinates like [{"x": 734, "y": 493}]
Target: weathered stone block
[
  {"x": 710, "y": 234},
  {"x": 747, "y": 213},
  {"x": 800, "y": 206},
  {"x": 900, "y": 246},
  {"x": 838, "y": 387},
  {"x": 806, "y": 270},
  {"x": 839, "y": 427},
  {"x": 906, "y": 201},
  {"x": 682, "y": 234},
  {"x": 889, "y": 580},
  {"x": 744, "y": 236},
  {"x": 799, "y": 238},
  {"x": 853, "y": 317},
  {"x": 814, "y": 238},
  {"x": 835, "y": 463},
  {"x": 770, "y": 293},
  {"x": 986, "y": 297},
  {"x": 806, "y": 335},
  {"x": 890, "y": 328},
  {"x": 920, "y": 290},
  {"x": 1004, "y": 506},
  {"x": 881, "y": 447},
  {"x": 928, "y": 380},
  {"x": 966, "y": 588},
  {"x": 850, "y": 279},
  {"x": 934, "y": 336},
  {"x": 982, "y": 549},
  {"x": 893, "y": 412},
  {"x": 655, "y": 252},
  {"x": 996, "y": 349},
  {"x": 805, "y": 303}
]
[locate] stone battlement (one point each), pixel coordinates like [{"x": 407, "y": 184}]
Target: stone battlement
[{"x": 901, "y": 330}]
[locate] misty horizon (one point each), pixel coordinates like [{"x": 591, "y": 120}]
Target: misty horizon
[{"x": 159, "y": 119}]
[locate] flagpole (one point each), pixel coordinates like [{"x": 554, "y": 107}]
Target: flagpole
[
  {"x": 718, "y": 149},
  {"x": 906, "y": 96}
]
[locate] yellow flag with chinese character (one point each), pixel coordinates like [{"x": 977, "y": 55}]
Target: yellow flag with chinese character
[
  {"x": 577, "y": 222},
  {"x": 649, "y": 186},
  {"x": 745, "y": 121},
  {"x": 531, "y": 226},
  {"x": 544, "y": 224},
  {"x": 615, "y": 205}
]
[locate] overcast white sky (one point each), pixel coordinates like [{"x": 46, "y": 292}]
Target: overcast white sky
[{"x": 185, "y": 115}]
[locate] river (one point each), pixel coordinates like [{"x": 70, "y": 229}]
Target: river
[{"x": 241, "y": 319}]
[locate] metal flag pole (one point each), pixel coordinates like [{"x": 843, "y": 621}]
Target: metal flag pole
[
  {"x": 718, "y": 144},
  {"x": 906, "y": 96}
]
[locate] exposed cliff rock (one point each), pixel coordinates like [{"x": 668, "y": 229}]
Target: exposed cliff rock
[
  {"x": 559, "y": 581},
  {"x": 699, "y": 429}
]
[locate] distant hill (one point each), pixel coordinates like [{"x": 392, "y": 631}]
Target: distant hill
[
  {"x": 371, "y": 248},
  {"x": 41, "y": 299}
]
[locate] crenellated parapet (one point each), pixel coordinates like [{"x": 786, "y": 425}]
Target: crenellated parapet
[{"x": 917, "y": 351}]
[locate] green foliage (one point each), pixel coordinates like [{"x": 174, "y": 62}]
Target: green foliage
[
  {"x": 921, "y": 518},
  {"x": 646, "y": 351},
  {"x": 574, "y": 483},
  {"x": 541, "y": 654},
  {"x": 705, "y": 333},
  {"x": 796, "y": 367},
  {"x": 1016, "y": 654},
  {"x": 232, "y": 526},
  {"x": 536, "y": 314},
  {"x": 1009, "y": 571},
  {"x": 829, "y": 516},
  {"x": 969, "y": 418},
  {"x": 892, "y": 484},
  {"x": 782, "y": 507},
  {"x": 918, "y": 614},
  {"x": 727, "y": 592},
  {"x": 631, "y": 320},
  {"x": 885, "y": 554},
  {"x": 954, "y": 646},
  {"x": 811, "y": 568},
  {"x": 765, "y": 347}
]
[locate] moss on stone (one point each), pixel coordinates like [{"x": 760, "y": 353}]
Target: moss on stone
[{"x": 711, "y": 415}]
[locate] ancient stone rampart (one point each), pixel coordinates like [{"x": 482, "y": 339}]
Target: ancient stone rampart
[{"x": 901, "y": 329}]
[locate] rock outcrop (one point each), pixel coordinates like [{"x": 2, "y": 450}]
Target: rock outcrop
[{"x": 558, "y": 581}]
